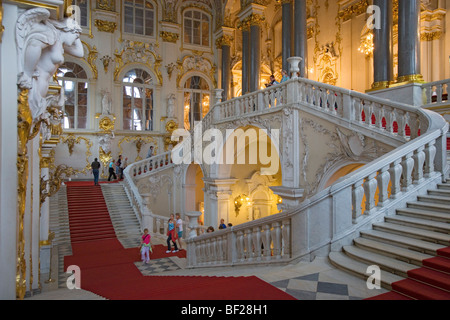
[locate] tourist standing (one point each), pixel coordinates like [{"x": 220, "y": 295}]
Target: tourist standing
[
  {"x": 111, "y": 169},
  {"x": 95, "y": 166},
  {"x": 179, "y": 225},
  {"x": 146, "y": 246},
  {"x": 171, "y": 235}
]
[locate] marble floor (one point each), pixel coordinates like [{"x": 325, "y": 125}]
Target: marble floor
[
  {"x": 305, "y": 281},
  {"x": 316, "y": 280}
]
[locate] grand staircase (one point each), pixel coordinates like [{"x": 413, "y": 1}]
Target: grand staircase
[
  {"x": 123, "y": 218},
  {"x": 412, "y": 249}
]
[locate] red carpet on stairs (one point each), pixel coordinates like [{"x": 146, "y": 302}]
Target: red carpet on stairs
[
  {"x": 107, "y": 268},
  {"x": 431, "y": 282}
]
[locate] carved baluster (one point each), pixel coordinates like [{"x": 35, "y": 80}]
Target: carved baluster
[
  {"x": 383, "y": 179},
  {"x": 199, "y": 252},
  {"x": 257, "y": 243},
  {"x": 396, "y": 173},
  {"x": 213, "y": 246},
  {"x": 430, "y": 155},
  {"x": 248, "y": 244},
  {"x": 219, "y": 247},
  {"x": 408, "y": 166},
  {"x": 401, "y": 121},
  {"x": 428, "y": 95},
  {"x": 286, "y": 238},
  {"x": 378, "y": 111},
  {"x": 358, "y": 109},
  {"x": 419, "y": 160},
  {"x": 276, "y": 239},
  {"x": 370, "y": 188},
  {"x": 266, "y": 241},
  {"x": 439, "y": 92},
  {"x": 266, "y": 99},
  {"x": 158, "y": 225},
  {"x": 389, "y": 116},
  {"x": 357, "y": 198},
  {"x": 240, "y": 245}
]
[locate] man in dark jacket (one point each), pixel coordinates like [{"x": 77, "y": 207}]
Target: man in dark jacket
[{"x": 95, "y": 170}]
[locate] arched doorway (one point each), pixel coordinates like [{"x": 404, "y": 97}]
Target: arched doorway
[
  {"x": 193, "y": 190},
  {"x": 250, "y": 159}
]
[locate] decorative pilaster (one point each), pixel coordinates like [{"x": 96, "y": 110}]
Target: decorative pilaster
[{"x": 219, "y": 200}]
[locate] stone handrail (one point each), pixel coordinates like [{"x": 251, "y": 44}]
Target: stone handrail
[
  {"x": 339, "y": 210},
  {"x": 384, "y": 184},
  {"x": 153, "y": 164},
  {"x": 436, "y": 93},
  {"x": 397, "y": 120},
  {"x": 407, "y": 170}
]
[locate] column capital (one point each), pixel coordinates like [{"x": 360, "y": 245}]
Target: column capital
[
  {"x": 224, "y": 40},
  {"x": 253, "y": 19},
  {"x": 251, "y": 15}
]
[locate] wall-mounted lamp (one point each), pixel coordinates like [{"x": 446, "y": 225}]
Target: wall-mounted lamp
[{"x": 239, "y": 201}]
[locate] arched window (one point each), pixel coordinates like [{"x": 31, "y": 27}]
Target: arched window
[
  {"x": 137, "y": 100},
  {"x": 139, "y": 17},
  {"x": 196, "y": 28},
  {"x": 196, "y": 100},
  {"x": 73, "y": 79}
]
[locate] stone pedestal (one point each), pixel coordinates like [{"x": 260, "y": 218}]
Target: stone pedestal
[
  {"x": 410, "y": 93},
  {"x": 193, "y": 223},
  {"x": 292, "y": 197}
]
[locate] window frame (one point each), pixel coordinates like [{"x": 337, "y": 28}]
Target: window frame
[
  {"x": 191, "y": 91},
  {"x": 62, "y": 82},
  {"x": 202, "y": 13},
  {"x": 155, "y": 18},
  {"x": 143, "y": 109}
]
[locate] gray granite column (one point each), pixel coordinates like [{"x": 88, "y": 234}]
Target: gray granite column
[
  {"x": 245, "y": 60},
  {"x": 300, "y": 46},
  {"x": 286, "y": 36},
  {"x": 255, "y": 57},
  {"x": 226, "y": 72},
  {"x": 383, "y": 46},
  {"x": 409, "y": 41}
]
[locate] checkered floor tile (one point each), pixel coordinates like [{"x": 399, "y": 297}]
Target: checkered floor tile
[
  {"x": 157, "y": 266},
  {"x": 309, "y": 287}
]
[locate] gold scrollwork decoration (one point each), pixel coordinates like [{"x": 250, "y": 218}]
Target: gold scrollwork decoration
[
  {"x": 107, "y": 5},
  {"x": 2, "y": 28},
  {"x": 52, "y": 185},
  {"x": 167, "y": 36},
  {"x": 91, "y": 58},
  {"x": 24, "y": 126},
  {"x": 136, "y": 52},
  {"x": 106, "y": 124},
  {"x": 105, "y": 26},
  {"x": 139, "y": 141},
  {"x": 71, "y": 142}
]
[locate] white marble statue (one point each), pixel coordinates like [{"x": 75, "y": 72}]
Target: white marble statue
[
  {"x": 171, "y": 106},
  {"x": 106, "y": 102},
  {"x": 41, "y": 44}
]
